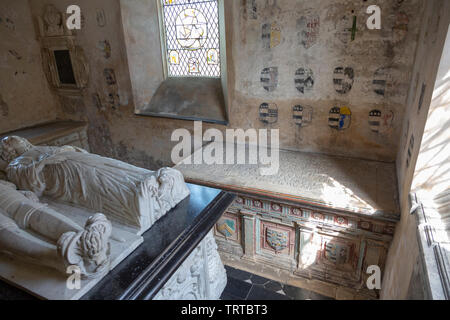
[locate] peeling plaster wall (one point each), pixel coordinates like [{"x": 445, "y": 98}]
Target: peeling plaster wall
[
  {"x": 132, "y": 56},
  {"x": 105, "y": 103},
  {"x": 404, "y": 250},
  {"x": 373, "y": 55},
  {"x": 388, "y": 51},
  {"x": 25, "y": 98}
]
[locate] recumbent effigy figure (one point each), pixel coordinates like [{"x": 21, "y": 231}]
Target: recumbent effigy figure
[
  {"x": 133, "y": 196},
  {"x": 123, "y": 193},
  {"x": 38, "y": 234}
]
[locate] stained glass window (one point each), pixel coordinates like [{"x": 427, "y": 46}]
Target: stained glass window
[{"x": 192, "y": 38}]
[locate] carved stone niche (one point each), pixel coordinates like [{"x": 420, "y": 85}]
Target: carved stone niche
[{"x": 64, "y": 62}]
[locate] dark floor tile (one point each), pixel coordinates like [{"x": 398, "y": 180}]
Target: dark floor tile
[
  {"x": 260, "y": 288},
  {"x": 260, "y": 293},
  {"x": 237, "y": 274},
  {"x": 259, "y": 280},
  {"x": 227, "y": 296},
  {"x": 11, "y": 293},
  {"x": 296, "y": 293},
  {"x": 237, "y": 288},
  {"x": 273, "y": 286}
]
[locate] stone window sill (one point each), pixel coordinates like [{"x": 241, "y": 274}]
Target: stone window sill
[{"x": 194, "y": 99}]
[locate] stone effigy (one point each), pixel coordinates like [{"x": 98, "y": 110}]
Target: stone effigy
[
  {"x": 133, "y": 196},
  {"x": 40, "y": 235},
  {"x": 63, "y": 207}
]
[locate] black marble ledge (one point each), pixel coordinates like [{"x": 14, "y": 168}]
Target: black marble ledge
[{"x": 166, "y": 245}]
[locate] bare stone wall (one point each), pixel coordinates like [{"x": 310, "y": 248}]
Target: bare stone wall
[
  {"x": 25, "y": 98},
  {"x": 404, "y": 250}
]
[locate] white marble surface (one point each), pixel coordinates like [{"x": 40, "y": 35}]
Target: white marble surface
[
  {"x": 202, "y": 275},
  {"x": 46, "y": 283},
  {"x": 114, "y": 201}
]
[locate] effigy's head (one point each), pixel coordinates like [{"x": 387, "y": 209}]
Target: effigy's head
[{"x": 12, "y": 147}]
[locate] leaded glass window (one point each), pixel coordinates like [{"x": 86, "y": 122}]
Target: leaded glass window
[{"x": 192, "y": 38}]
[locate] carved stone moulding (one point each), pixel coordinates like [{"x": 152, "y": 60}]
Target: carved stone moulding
[
  {"x": 304, "y": 241},
  {"x": 202, "y": 275},
  {"x": 64, "y": 62},
  {"x": 52, "y": 23},
  {"x": 79, "y": 67},
  {"x": 312, "y": 215}
]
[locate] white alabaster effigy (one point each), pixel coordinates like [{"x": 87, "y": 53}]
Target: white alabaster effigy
[
  {"x": 133, "y": 196},
  {"x": 63, "y": 207},
  {"x": 38, "y": 234}
]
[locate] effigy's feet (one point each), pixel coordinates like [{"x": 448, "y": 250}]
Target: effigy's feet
[{"x": 89, "y": 249}]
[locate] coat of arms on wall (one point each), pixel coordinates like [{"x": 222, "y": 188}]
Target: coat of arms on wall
[
  {"x": 337, "y": 253},
  {"x": 226, "y": 227},
  {"x": 380, "y": 122},
  {"x": 268, "y": 113},
  {"x": 340, "y": 118},
  {"x": 343, "y": 79},
  {"x": 271, "y": 35},
  {"x": 302, "y": 115},
  {"x": 269, "y": 78},
  {"x": 304, "y": 80},
  {"x": 277, "y": 240},
  {"x": 308, "y": 30}
]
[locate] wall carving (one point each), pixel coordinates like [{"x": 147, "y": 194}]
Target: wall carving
[
  {"x": 64, "y": 61},
  {"x": 306, "y": 242},
  {"x": 201, "y": 277}
]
